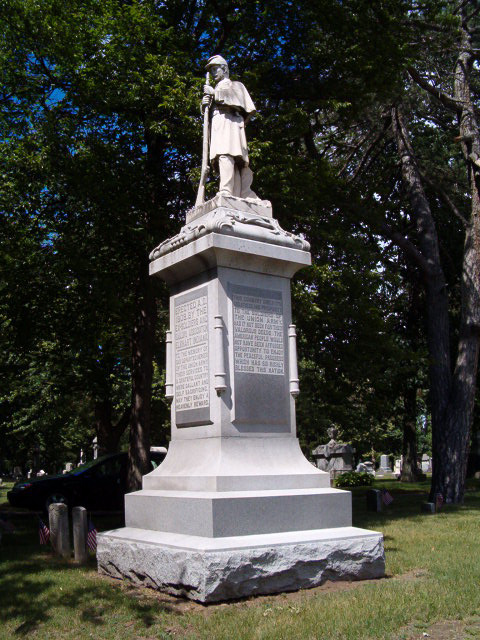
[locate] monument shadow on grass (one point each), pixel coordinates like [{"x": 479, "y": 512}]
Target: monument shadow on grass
[{"x": 29, "y": 593}]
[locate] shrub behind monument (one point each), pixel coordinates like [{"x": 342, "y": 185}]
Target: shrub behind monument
[{"x": 354, "y": 479}]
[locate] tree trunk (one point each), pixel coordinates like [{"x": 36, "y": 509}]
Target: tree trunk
[
  {"x": 413, "y": 332},
  {"x": 109, "y": 434},
  {"x": 450, "y": 464},
  {"x": 410, "y": 470},
  {"x": 452, "y": 394},
  {"x": 142, "y": 373},
  {"x": 143, "y": 334}
]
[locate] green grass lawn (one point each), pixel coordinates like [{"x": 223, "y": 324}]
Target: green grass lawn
[{"x": 433, "y": 575}]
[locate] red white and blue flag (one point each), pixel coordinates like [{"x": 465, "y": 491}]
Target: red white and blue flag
[
  {"x": 43, "y": 532},
  {"x": 386, "y": 497},
  {"x": 91, "y": 537}
]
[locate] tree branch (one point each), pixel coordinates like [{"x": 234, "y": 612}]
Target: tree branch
[
  {"x": 460, "y": 6},
  {"x": 370, "y": 148},
  {"x": 355, "y": 148},
  {"x": 471, "y": 15},
  {"x": 310, "y": 144},
  {"x": 443, "y": 97},
  {"x": 447, "y": 200},
  {"x": 124, "y": 420},
  {"x": 408, "y": 248}
]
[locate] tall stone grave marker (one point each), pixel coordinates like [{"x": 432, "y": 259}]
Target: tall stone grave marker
[
  {"x": 385, "y": 469},
  {"x": 334, "y": 457},
  {"x": 235, "y": 509}
]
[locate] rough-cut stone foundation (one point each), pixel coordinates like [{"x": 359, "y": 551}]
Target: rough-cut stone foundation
[{"x": 213, "y": 569}]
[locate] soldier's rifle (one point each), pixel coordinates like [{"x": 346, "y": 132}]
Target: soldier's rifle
[{"x": 206, "y": 138}]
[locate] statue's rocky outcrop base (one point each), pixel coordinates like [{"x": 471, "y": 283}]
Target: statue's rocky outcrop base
[
  {"x": 235, "y": 217},
  {"x": 235, "y": 509}
]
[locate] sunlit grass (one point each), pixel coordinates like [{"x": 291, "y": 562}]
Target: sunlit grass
[{"x": 433, "y": 573}]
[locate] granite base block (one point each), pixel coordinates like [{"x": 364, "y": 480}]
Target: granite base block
[
  {"x": 212, "y": 570},
  {"x": 238, "y": 513}
]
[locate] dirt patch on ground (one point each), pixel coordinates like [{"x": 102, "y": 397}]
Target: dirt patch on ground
[
  {"x": 179, "y": 605},
  {"x": 444, "y": 630}
]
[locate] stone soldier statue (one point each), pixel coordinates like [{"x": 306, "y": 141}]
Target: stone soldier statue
[{"x": 231, "y": 107}]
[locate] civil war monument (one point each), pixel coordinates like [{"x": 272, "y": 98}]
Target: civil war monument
[{"x": 235, "y": 509}]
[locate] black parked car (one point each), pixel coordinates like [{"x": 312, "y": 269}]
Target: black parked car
[{"x": 99, "y": 484}]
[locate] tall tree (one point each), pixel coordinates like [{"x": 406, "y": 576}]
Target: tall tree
[
  {"x": 453, "y": 382},
  {"x": 431, "y": 207}
]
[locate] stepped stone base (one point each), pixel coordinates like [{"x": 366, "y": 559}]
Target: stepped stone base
[
  {"x": 216, "y": 569},
  {"x": 237, "y": 513}
]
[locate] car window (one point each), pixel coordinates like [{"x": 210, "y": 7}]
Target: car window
[
  {"x": 92, "y": 464},
  {"x": 110, "y": 467},
  {"x": 156, "y": 459}
]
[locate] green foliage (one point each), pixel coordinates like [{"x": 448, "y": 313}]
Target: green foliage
[
  {"x": 354, "y": 479},
  {"x": 99, "y": 147}
]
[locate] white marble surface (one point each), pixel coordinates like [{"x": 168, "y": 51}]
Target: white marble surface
[
  {"x": 235, "y": 464},
  {"x": 238, "y": 513}
]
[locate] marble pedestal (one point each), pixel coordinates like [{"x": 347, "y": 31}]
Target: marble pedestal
[{"x": 235, "y": 509}]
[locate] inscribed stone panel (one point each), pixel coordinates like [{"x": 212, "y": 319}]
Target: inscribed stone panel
[
  {"x": 258, "y": 334},
  {"x": 259, "y": 355},
  {"x": 192, "y": 388}
]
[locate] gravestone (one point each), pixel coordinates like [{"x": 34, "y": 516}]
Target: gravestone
[
  {"x": 235, "y": 508},
  {"x": 59, "y": 529},
  {"x": 385, "y": 469},
  {"x": 426, "y": 464},
  {"x": 366, "y": 467},
  {"x": 397, "y": 469},
  {"x": 374, "y": 500},
  {"x": 95, "y": 447},
  {"x": 334, "y": 457},
  {"x": 428, "y": 507},
  {"x": 80, "y": 532}
]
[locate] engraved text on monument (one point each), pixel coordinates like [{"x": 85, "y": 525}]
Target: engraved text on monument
[
  {"x": 258, "y": 334},
  {"x": 191, "y": 354}
]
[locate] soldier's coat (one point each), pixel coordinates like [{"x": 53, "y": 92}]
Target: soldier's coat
[{"x": 231, "y": 108}]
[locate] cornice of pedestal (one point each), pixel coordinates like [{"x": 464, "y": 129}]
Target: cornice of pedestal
[{"x": 235, "y": 222}]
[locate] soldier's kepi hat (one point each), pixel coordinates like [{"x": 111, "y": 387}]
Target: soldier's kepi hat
[{"x": 215, "y": 60}]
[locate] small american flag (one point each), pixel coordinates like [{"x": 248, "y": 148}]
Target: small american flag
[
  {"x": 438, "y": 501},
  {"x": 43, "y": 532},
  {"x": 386, "y": 497},
  {"x": 91, "y": 537}
]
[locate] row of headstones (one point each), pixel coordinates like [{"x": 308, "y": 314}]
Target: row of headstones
[
  {"x": 337, "y": 459},
  {"x": 424, "y": 464},
  {"x": 376, "y": 501},
  {"x": 60, "y": 531},
  {"x": 385, "y": 469},
  {"x": 69, "y": 466}
]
